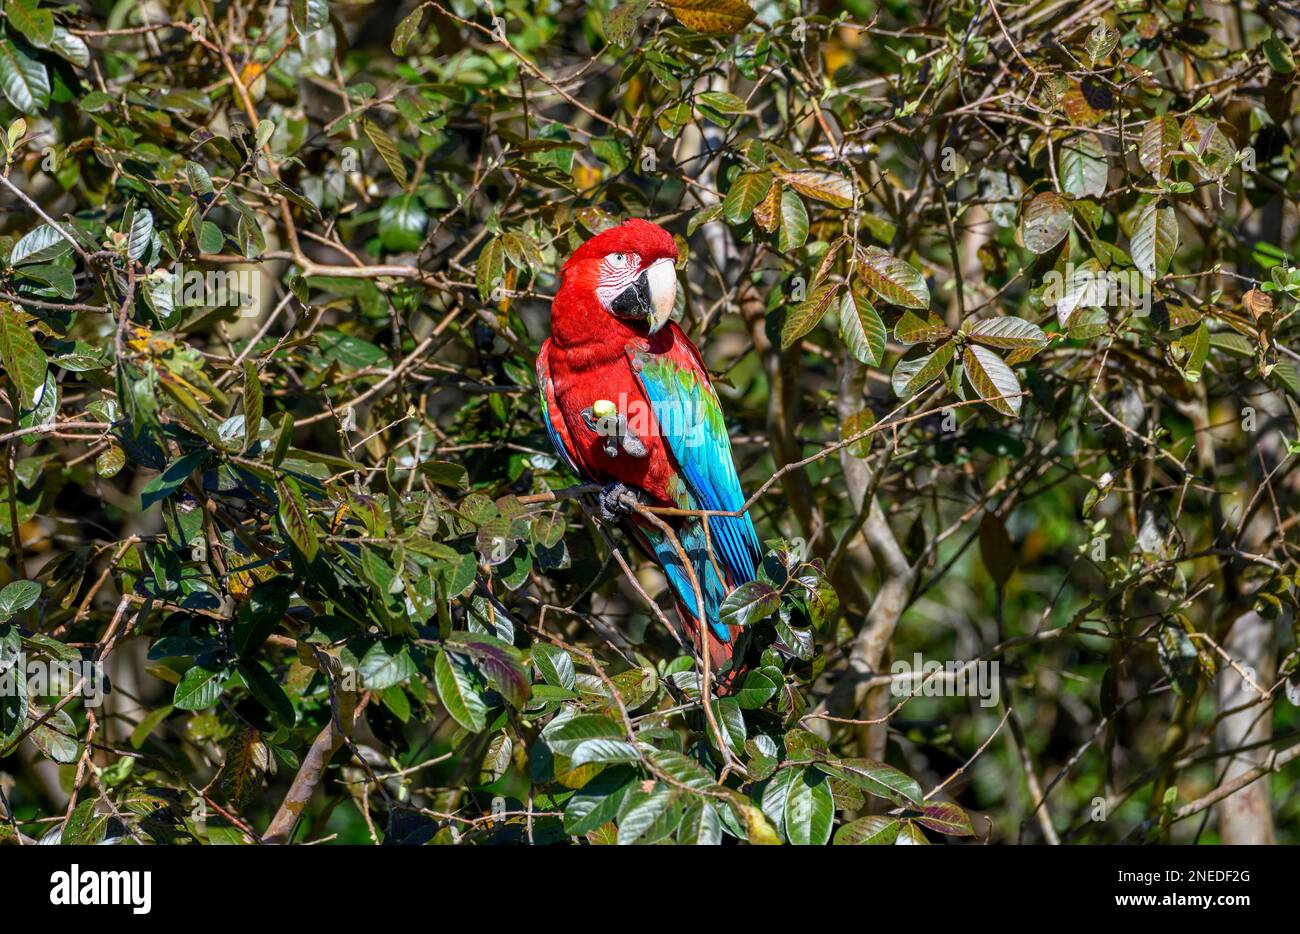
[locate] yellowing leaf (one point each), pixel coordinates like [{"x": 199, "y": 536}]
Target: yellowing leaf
[
  {"x": 894, "y": 280},
  {"x": 831, "y": 187},
  {"x": 387, "y": 150},
  {"x": 803, "y": 317},
  {"x": 745, "y": 193},
  {"x": 992, "y": 379},
  {"x": 712, "y": 17}
]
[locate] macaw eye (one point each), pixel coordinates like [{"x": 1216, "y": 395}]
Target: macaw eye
[{"x": 619, "y": 260}]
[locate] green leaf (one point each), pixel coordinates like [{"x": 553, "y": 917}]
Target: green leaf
[
  {"x": 913, "y": 329},
  {"x": 794, "y": 222},
  {"x": 387, "y": 663},
  {"x": 36, "y": 25},
  {"x": 722, "y": 102},
  {"x": 701, "y": 825},
  {"x": 598, "y": 801},
  {"x": 489, "y": 271},
  {"x": 809, "y": 809},
  {"x": 267, "y": 692},
  {"x": 407, "y": 30},
  {"x": 619, "y": 24},
  {"x": 199, "y": 181},
  {"x": 140, "y": 236},
  {"x": 145, "y": 727},
  {"x": 759, "y": 686},
  {"x": 457, "y": 692},
  {"x": 70, "y": 48},
  {"x": 746, "y": 191},
  {"x": 24, "y": 80},
  {"x": 110, "y": 462},
  {"x": 749, "y": 603},
  {"x": 1191, "y": 351},
  {"x": 171, "y": 479},
  {"x": 875, "y": 830},
  {"x": 777, "y": 792},
  {"x": 1279, "y": 55},
  {"x": 803, "y": 317},
  {"x": 1008, "y": 333},
  {"x": 402, "y": 222},
  {"x": 13, "y": 703},
  {"x": 883, "y": 781},
  {"x": 1084, "y": 168},
  {"x": 569, "y": 735},
  {"x": 649, "y": 817},
  {"x": 861, "y": 329},
  {"x": 199, "y": 688},
  {"x": 911, "y": 376},
  {"x": 252, "y": 403},
  {"x": 211, "y": 239},
  {"x": 1161, "y": 139},
  {"x": 554, "y": 665},
  {"x": 894, "y": 280},
  {"x": 499, "y": 663},
  {"x": 24, "y": 362},
  {"x": 1154, "y": 239},
  {"x": 604, "y": 751},
  {"x": 309, "y": 16},
  {"x": 1203, "y": 139},
  {"x": 266, "y": 605},
  {"x": 909, "y": 834},
  {"x": 85, "y": 825},
  {"x": 41, "y": 245},
  {"x": 681, "y": 768},
  {"x": 16, "y": 597},
  {"x": 1045, "y": 222},
  {"x": 1101, "y": 42},
  {"x": 295, "y": 520}
]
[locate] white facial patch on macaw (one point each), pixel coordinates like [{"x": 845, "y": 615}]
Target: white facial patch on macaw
[{"x": 618, "y": 271}]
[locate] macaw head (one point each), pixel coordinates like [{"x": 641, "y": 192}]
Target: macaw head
[{"x": 626, "y": 271}]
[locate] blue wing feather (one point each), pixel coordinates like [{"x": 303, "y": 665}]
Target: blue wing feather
[
  {"x": 690, "y": 420},
  {"x": 545, "y": 391}
]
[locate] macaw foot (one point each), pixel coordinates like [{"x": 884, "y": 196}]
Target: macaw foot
[{"x": 615, "y": 501}]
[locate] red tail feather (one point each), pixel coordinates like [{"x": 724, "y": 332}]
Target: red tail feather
[{"x": 721, "y": 654}]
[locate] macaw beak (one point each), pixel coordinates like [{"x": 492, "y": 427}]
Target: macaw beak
[
  {"x": 662, "y": 280},
  {"x": 651, "y": 295}
]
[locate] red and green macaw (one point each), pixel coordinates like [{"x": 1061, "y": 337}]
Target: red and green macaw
[{"x": 629, "y": 405}]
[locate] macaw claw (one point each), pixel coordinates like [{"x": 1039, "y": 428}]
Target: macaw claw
[{"x": 615, "y": 501}]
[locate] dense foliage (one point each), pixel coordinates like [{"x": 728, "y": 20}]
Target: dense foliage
[{"x": 998, "y": 297}]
